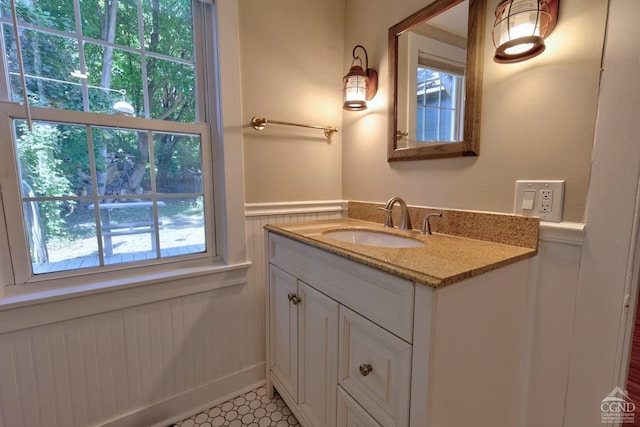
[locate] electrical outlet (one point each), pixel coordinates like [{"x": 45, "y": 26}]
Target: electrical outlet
[
  {"x": 540, "y": 198},
  {"x": 546, "y": 201}
]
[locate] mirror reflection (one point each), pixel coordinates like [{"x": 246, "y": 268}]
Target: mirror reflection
[
  {"x": 436, "y": 100},
  {"x": 431, "y": 79}
]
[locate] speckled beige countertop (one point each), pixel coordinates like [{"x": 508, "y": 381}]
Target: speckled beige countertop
[{"x": 443, "y": 260}]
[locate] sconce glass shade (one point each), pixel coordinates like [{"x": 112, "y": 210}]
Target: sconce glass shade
[
  {"x": 360, "y": 84},
  {"x": 520, "y": 28},
  {"x": 355, "y": 89}
]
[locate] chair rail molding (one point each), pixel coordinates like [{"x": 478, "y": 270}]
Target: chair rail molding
[{"x": 298, "y": 207}]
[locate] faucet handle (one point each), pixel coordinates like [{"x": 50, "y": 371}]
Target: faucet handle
[
  {"x": 388, "y": 222},
  {"x": 426, "y": 227}
]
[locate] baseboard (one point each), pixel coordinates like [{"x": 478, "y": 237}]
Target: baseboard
[{"x": 189, "y": 403}]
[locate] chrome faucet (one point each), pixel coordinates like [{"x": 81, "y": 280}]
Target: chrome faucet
[
  {"x": 405, "y": 219},
  {"x": 426, "y": 227}
]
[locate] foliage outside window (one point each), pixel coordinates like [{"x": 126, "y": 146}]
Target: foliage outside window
[{"x": 99, "y": 189}]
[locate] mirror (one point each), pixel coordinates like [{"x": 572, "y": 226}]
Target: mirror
[{"x": 435, "y": 69}]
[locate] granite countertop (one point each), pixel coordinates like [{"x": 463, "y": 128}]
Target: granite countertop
[{"x": 443, "y": 260}]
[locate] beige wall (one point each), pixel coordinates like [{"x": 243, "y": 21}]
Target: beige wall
[
  {"x": 538, "y": 118},
  {"x": 292, "y": 55}
]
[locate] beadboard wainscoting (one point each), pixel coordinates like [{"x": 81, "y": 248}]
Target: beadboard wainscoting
[
  {"x": 552, "y": 295},
  {"x": 160, "y": 353},
  {"x": 259, "y": 214},
  {"x": 142, "y": 356}
]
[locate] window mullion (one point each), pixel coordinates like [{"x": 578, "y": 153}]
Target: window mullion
[
  {"x": 154, "y": 190},
  {"x": 5, "y": 86},
  {"x": 143, "y": 63},
  {"x": 81, "y": 58},
  {"x": 198, "y": 17},
  {"x": 94, "y": 191},
  {"x": 11, "y": 195}
]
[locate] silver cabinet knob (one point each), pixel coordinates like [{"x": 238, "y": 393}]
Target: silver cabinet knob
[
  {"x": 295, "y": 299},
  {"x": 365, "y": 369}
]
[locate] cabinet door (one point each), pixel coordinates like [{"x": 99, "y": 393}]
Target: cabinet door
[
  {"x": 318, "y": 382},
  {"x": 283, "y": 330},
  {"x": 350, "y": 414}
]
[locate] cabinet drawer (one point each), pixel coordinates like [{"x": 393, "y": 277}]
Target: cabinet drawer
[
  {"x": 350, "y": 414},
  {"x": 381, "y": 297},
  {"x": 375, "y": 369}
]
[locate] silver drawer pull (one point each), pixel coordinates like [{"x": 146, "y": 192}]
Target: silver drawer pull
[
  {"x": 365, "y": 369},
  {"x": 295, "y": 299}
]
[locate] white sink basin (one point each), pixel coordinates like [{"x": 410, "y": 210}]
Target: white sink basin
[{"x": 372, "y": 238}]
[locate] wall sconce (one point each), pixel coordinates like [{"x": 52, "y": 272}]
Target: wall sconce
[
  {"x": 360, "y": 85},
  {"x": 520, "y": 28}
]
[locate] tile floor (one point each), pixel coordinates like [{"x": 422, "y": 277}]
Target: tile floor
[{"x": 252, "y": 409}]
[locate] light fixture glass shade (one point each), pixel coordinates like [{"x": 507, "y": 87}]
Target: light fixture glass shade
[
  {"x": 520, "y": 28},
  {"x": 355, "y": 89}
]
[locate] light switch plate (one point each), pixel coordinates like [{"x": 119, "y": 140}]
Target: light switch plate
[{"x": 548, "y": 199}]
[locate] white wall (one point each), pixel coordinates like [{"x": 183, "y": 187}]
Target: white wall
[{"x": 609, "y": 262}]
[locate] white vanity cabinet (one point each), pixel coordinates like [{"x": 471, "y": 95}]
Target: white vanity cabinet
[
  {"x": 350, "y": 345},
  {"x": 304, "y": 338},
  {"x": 329, "y": 332},
  {"x": 375, "y": 368}
]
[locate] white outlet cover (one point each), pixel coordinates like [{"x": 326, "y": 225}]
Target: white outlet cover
[{"x": 557, "y": 199}]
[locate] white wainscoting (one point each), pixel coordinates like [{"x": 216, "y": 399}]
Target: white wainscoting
[
  {"x": 140, "y": 361},
  {"x": 552, "y": 293},
  {"x": 139, "y": 365},
  {"x": 152, "y": 363},
  {"x": 259, "y": 214}
]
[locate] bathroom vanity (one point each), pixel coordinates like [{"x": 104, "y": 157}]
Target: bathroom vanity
[{"x": 368, "y": 335}]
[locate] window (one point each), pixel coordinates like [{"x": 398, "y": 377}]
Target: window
[
  {"x": 117, "y": 165},
  {"x": 440, "y": 104},
  {"x": 435, "y": 80}
]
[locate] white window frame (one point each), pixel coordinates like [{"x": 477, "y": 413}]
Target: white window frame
[
  {"x": 417, "y": 45},
  {"x": 228, "y": 202},
  {"x": 455, "y": 131}
]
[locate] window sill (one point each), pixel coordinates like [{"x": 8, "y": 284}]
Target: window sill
[{"x": 23, "y": 306}]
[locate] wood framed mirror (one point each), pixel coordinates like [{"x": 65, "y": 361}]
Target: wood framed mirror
[{"x": 436, "y": 59}]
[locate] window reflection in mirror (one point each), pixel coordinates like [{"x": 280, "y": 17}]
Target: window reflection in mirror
[
  {"x": 431, "y": 80},
  {"x": 439, "y": 106},
  {"x": 436, "y": 63}
]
